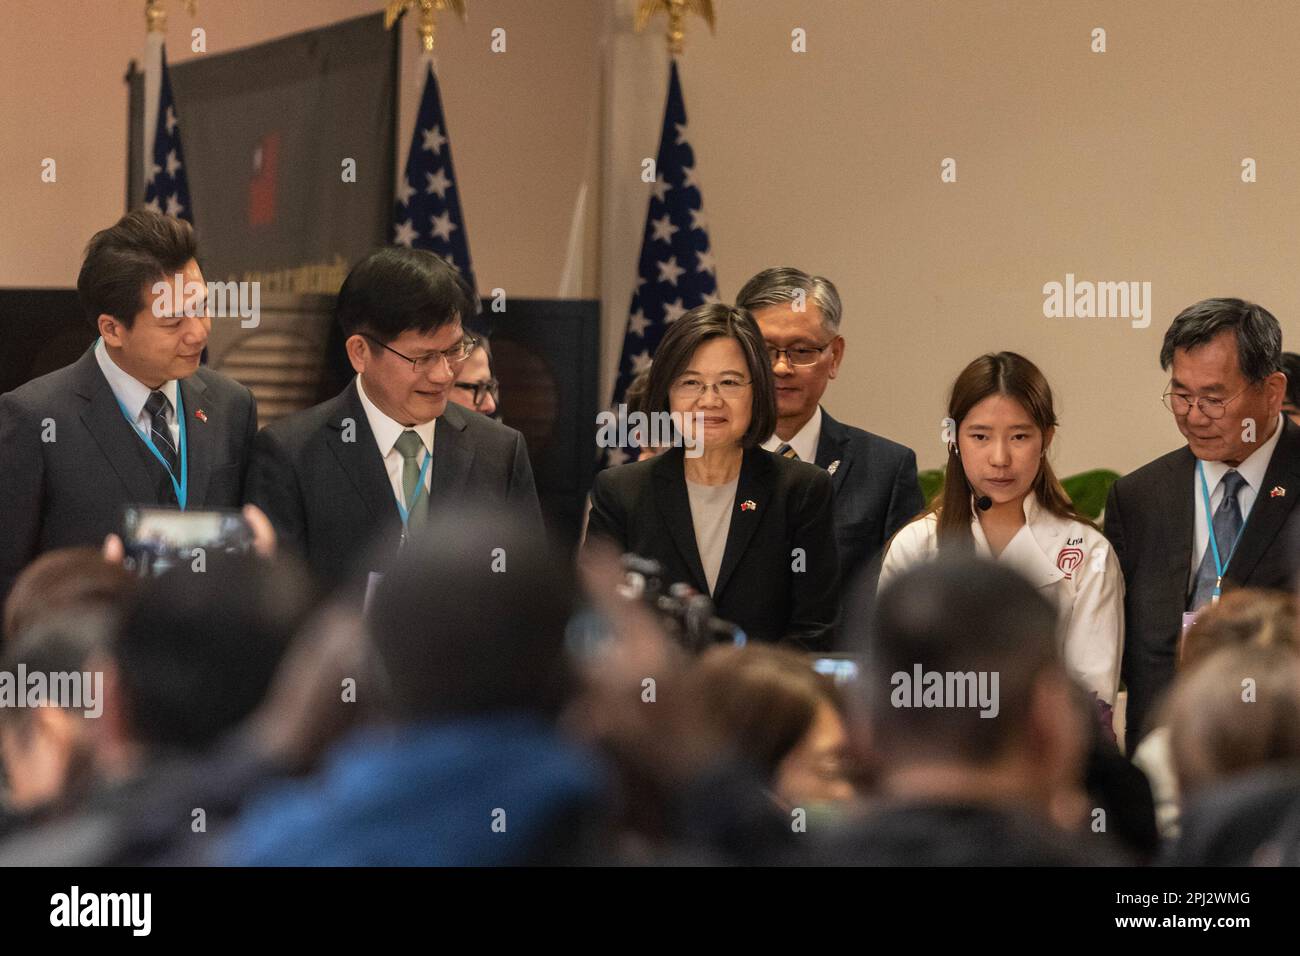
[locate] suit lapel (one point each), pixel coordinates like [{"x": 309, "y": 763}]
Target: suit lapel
[
  {"x": 117, "y": 439},
  {"x": 833, "y": 446},
  {"x": 1268, "y": 513},
  {"x": 200, "y": 438},
  {"x": 359, "y": 457},
  {"x": 674, "y": 507},
  {"x": 752, "y": 486},
  {"x": 1180, "y": 528},
  {"x": 453, "y": 454}
]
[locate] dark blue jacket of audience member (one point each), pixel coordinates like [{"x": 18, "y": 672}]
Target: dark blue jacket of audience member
[{"x": 499, "y": 790}]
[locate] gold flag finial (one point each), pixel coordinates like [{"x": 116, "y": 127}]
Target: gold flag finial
[
  {"x": 677, "y": 11},
  {"x": 155, "y": 17},
  {"x": 428, "y": 25}
]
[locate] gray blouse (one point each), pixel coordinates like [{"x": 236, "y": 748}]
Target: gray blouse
[{"x": 711, "y": 509}]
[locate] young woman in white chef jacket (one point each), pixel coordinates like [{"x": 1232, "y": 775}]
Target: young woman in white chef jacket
[{"x": 1001, "y": 500}]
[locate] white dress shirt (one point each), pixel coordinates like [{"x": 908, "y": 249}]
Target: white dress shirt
[
  {"x": 804, "y": 441},
  {"x": 133, "y": 393},
  {"x": 386, "y": 432},
  {"x": 1252, "y": 470}
]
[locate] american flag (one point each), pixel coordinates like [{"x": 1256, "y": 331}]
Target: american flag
[
  {"x": 676, "y": 271},
  {"x": 427, "y": 213},
  {"x": 167, "y": 189}
]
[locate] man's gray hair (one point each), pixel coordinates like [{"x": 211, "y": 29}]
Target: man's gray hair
[
  {"x": 785, "y": 284},
  {"x": 1258, "y": 334}
]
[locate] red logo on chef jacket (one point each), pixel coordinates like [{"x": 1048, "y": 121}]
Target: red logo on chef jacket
[{"x": 1069, "y": 559}]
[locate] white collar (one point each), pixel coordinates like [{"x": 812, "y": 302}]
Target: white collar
[
  {"x": 387, "y": 430},
  {"x": 1252, "y": 469},
  {"x": 804, "y": 441},
  {"x": 1034, "y": 550},
  {"x": 128, "y": 389}
]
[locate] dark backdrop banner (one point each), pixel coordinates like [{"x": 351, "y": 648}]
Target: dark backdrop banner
[{"x": 266, "y": 132}]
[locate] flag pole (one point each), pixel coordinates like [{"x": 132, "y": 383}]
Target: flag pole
[{"x": 155, "y": 19}]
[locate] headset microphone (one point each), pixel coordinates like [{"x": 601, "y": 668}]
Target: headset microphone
[{"x": 984, "y": 502}]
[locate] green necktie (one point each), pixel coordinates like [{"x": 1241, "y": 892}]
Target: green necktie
[{"x": 411, "y": 449}]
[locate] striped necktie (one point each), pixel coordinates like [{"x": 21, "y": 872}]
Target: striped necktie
[
  {"x": 785, "y": 451},
  {"x": 156, "y": 405}
]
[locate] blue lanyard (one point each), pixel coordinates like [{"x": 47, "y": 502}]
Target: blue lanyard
[
  {"x": 1219, "y": 566},
  {"x": 182, "y": 487},
  {"x": 402, "y": 508}
]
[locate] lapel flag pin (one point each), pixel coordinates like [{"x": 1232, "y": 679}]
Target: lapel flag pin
[
  {"x": 201, "y": 415},
  {"x": 830, "y": 469},
  {"x": 1277, "y": 492},
  {"x": 748, "y": 506}
]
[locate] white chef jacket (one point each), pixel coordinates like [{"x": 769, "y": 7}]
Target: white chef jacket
[{"x": 1070, "y": 563}]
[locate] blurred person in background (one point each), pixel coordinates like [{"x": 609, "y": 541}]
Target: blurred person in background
[
  {"x": 47, "y": 750},
  {"x": 67, "y": 579},
  {"x": 464, "y": 761},
  {"x": 190, "y": 661},
  {"x": 1234, "y": 740},
  {"x": 956, "y": 787},
  {"x": 782, "y": 717},
  {"x": 475, "y": 387},
  {"x": 1291, "y": 402},
  {"x": 1249, "y": 616}
]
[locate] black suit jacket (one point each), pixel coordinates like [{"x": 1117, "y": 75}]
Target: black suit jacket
[
  {"x": 876, "y": 492},
  {"x": 1151, "y": 524},
  {"x": 331, "y": 501},
  {"x": 71, "y": 491},
  {"x": 644, "y": 508}
]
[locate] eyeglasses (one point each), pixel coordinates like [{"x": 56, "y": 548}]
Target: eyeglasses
[
  {"x": 685, "y": 388},
  {"x": 482, "y": 390},
  {"x": 455, "y": 355},
  {"x": 1181, "y": 405},
  {"x": 799, "y": 356}
]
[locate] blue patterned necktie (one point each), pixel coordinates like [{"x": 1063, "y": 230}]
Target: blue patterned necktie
[
  {"x": 156, "y": 406},
  {"x": 1227, "y": 525},
  {"x": 785, "y": 451}
]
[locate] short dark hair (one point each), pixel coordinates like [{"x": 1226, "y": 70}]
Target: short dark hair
[
  {"x": 139, "y": 249},
  {"x": 395, "y": 289},
  {"x": 460, "y": 628},
  {"x": 1291, "y": 366},
  {"x": 710, "y": 321},
  {"x": 1259, "y": 337},
  {"x": 196, "y": 651},
  {"x": 953, "y": 615}
]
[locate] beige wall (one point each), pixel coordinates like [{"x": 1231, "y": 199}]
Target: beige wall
[{"x": 1116, "y": 166}]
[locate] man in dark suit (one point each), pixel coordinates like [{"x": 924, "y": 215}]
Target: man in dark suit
[
  {"x": 135, "y": 420},
  {"x": 876, "y": 488},
  {"x": 364, "y": 469},
  {"x": 1225, "y": 390}
]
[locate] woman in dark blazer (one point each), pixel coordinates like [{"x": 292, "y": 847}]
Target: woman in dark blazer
[{"x": 750, "y": 528}]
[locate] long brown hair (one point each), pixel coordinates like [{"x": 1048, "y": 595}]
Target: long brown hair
[{"x": 1012, "y": 375}]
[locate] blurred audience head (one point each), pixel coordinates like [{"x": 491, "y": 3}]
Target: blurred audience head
[
  {"x": 196, "y": 652},
  {"x": 964, "y": 693},
  {"x": 1237, "y": 710},
  {"x": 47, "y": 749},
  {"x": 470, "y": 620},
  {"x": 780, "y": 716},
  {"x": 1248, "y": 616},
  {"x": 64, "y": 580},
  {"x": 635, "y": 400}
]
